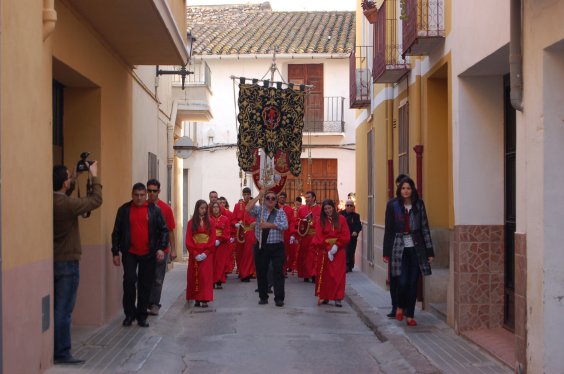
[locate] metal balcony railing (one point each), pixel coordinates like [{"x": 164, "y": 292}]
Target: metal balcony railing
[
  {"x": 201, "y": 75},
  {"x": 324, "y": 114},
  {"x": 389, "y": 64},
  {"x": 360, "y": 79},
  {"x": 423, "y": 26}
]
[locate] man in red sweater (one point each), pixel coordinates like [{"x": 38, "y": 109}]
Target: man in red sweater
[
  {"x": 153, "y": 189},
  {"x": 141, "y": 235}
]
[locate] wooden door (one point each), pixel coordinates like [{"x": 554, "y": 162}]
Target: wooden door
[
  {"x": 322, "y": 177},
  {"x": 310, "y": 74}
]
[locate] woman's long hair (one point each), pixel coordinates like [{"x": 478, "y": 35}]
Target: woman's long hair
[
  {"x": 334, "y": 218},
  {"x": 414, "y": 193},
  {"x": 196, "y": 217}
]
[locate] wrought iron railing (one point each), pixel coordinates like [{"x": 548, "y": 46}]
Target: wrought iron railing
[
  {"x": 422, "y": 19},
  {"x": 201, "y": 75},
  {"x": 324, "y": 114},
  {"x": 387, "y": 52},
  {"x": 360, "y": 78}
]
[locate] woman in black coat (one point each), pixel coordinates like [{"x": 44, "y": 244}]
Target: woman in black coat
[{"x": 407, "y": 243}]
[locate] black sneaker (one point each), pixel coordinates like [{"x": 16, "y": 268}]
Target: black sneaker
[
  {"x": 392, "y": 314},
  {"x": 68, "y": 361},
  {"x": 263, "y": 301},
  {"x": 279, "y": 303},
  {"x": 127, "y": 321}
]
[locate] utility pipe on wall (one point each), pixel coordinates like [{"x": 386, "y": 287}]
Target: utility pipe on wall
[{"x": 515, "y": 55}]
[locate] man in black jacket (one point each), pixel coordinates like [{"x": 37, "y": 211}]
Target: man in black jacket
[
  {"x": 140, "y": 235},
  {"x": 355, "y": 226}
]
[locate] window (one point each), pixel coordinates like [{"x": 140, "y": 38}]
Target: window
[
  {"x": 153, "y": 166},
  {"x": 403, "y": 149}
]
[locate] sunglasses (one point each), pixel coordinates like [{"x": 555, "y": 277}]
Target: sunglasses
[
  {"x": 270, "y": 198},
  {"x": 349, "y": 205},
  {"x": 152, "y": 191}
]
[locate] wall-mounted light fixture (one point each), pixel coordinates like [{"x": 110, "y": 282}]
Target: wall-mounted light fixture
[{"x": 183, "y": 72}]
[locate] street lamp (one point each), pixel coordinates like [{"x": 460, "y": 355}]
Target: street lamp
[{"x": 183, "y": 72}]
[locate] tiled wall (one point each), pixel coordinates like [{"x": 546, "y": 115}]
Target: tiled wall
[
  {"x": 478, "y": 276},
  {"x": 521, "y": 299}
]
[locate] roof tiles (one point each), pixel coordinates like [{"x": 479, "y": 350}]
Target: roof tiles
[{"x": 256, "y": 29}]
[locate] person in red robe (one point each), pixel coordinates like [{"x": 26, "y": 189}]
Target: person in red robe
[
  {"x": 222, "y": 252},
  {"x": 245, "y": 239},
  {"x": 200, "y": 243},
  {"x": 331, "y": 239},
  {"x": 230, "y": 263},
  {"x": 289, "y": 234},
  {"x": 308, "y": 215}
]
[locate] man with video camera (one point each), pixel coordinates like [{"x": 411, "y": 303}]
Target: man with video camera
[{"x": 67, "y": 251}]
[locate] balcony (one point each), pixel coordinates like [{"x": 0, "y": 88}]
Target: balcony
[
  {"x": 360, "y": 80},
  {"x": 423, "y": 26},
  {"x": 389, "y": 65},
  {"x": 324, "y": 114},
  {"x": 195, "y": 99}
]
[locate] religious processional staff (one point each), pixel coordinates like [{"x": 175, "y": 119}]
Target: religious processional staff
[
  {"x": 331, "y": 239},
  {"x": 308, "y": 216},
  {"x": 245, "y": 239},
  {"x": 269, "y": 248},
  {"x": 222, "y": 253},
  {"x": 201, "y": 244}
]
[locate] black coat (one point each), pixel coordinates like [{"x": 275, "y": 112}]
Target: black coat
[
  {"x": 121, "y": 235},
  {"x": 353, "y": 221}
]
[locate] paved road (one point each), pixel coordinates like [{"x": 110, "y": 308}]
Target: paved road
[{"x": 235, "y": 335}]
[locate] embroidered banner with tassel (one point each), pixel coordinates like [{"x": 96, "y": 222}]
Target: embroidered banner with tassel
[{"x": 273, "y": 119}]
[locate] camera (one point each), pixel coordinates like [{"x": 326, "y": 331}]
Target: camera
[{"x": 83, "y": 164}]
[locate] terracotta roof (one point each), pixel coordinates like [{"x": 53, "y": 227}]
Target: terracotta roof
[{"x": 256, "y": 29}]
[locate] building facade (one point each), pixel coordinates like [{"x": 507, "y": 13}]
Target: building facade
[
  {"x": 239, "y": 41},
  {"x": 72, "y": 80},
  {"x": 436, "y": 99}
]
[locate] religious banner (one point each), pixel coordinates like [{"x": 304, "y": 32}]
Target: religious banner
[{"x": 272, "y": 119}]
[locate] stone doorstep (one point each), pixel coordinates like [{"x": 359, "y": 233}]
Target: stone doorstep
[{"x": 498, "y": 341}]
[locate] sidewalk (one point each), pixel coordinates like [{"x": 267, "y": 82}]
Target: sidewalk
[{"x": 430, "y": 347}]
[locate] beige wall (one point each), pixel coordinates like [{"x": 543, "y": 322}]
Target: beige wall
[
  {"x": 26, "y": 197},
  {"x": 539, "y": 181}
]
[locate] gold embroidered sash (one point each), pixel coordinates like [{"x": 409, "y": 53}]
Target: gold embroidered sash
[{"x": 201, "y": 238}]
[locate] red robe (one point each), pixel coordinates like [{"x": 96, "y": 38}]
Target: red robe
[
  {"x": 331, "y": 274},
  {"x": 290, "y": 249},
  {"x": 230, "y": 263},
  {"x": 222, "y": 252},
  {"x": 200, "y": 274},
  {"x": 244, "y": 251},
  {"x": 307, "y": 252}
]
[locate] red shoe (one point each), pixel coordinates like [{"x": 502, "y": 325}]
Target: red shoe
[
  {"x": 411, "y": 322},
  {"x": 399, "y": 315}
]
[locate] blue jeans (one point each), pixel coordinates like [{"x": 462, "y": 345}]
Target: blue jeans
[{"x": 66, "y": 278}]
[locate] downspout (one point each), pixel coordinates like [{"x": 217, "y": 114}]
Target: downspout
[
  {"x": 418, "y": 148},
  {"x": 390, "y": 145},
  {"x": 49, "y": 18},
  {"x": 515, "y": 55}
]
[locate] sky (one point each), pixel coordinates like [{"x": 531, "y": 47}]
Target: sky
[{"x": 288, "y": 5}]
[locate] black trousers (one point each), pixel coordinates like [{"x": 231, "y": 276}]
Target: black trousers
[
  {"x": 407, "y": 282},
  {"x": 138, "y": 277},
  {"x": 270, "y": 254},
  {"x": 351, "y": 249}
]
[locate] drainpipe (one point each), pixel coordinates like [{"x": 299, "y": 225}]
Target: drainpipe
[
  {"x": 49, "y": 18},
  {"x": 515, "y": 55}
]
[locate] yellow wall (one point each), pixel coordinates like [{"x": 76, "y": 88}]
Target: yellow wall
[
  {"x": 381, "y": 128},
  {"x": 25, "y": 135},
  {"x": 361, "y": 168}
]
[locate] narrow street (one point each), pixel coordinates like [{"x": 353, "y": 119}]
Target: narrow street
[{"x": 236, "y": 335}]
